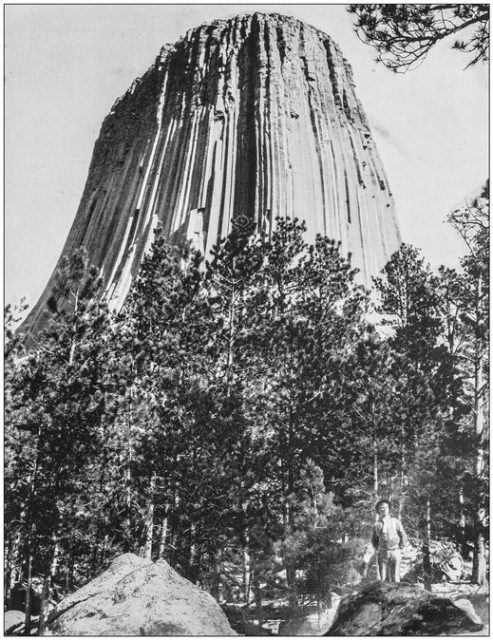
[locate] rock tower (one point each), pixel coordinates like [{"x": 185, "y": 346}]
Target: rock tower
[{"x": 256, "y": 116}]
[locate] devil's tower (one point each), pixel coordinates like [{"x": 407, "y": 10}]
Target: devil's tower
[{"x": 253, "y": 116}]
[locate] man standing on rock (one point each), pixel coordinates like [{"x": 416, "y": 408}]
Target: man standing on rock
[{"x": 388, "y": 538}]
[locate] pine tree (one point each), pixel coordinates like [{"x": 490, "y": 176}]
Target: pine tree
[
  {"x": 55, "y": 418},
  {"x": 307, "y": 310},
  {"x": 410, "y": 299},
  {"x": 14, "y": 351},
  {"x": 472, "y": 299}
]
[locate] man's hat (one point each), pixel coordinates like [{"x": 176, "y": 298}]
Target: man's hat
[{"x": 380, "y": 502}]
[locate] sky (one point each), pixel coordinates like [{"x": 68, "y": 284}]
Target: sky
[{"x": 65, "y": 65}]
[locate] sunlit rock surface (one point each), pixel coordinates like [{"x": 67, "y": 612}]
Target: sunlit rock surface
[
  {"x": 256, "y": 116},
  {"x": 136, "y": 597}
]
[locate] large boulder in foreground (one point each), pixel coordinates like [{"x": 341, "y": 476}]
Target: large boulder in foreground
[
  {"x": 386, "y": 609},
  {"x": 136, "y": 597},
  {"x": 13, "y": 620}
]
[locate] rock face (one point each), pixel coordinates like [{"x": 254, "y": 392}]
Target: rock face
[
  {"x": 383, "y": 609},
  {"x": 252, "y": 116},
  {"x": 136, "y": 597}
]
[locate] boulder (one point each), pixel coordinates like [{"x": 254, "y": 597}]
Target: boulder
[
  {"x": 138, "y": 597},
  {"x": 389, "y": 609},
  {"x": 13, "y": 620}
]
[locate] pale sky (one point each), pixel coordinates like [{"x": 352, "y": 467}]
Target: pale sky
[{"x": 66, "y": 64}]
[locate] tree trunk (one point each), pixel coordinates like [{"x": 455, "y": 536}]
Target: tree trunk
[
  {"x": 256, "y": 591},
  {"x": 163, "y": 535},
  {"x": 7, "y": 591},
  {"x": 246, "y": 570},
  {"x": 462, "y": 525},
  {"x": 68, "y": 568},
  {"x": 45, "y": 596},
  {"x": 95, "y": 559},
  {"x": 291, "y": 580},
  {"x": 376, "y": 490},
  {"x": 400, "y": 506},
  {"x": 69, "y": 573},
  {"x": 48, "y": 581},
  {"x": 128, "y": 478},
  {"x": 479, "y": 562},
  {"x": 376, "y": 487},
  {"x": 426, "y": 548},
  {"x": 215, "y": 584},
  {"x": 31, "y": 529},
  {"x": 173, "y": 531},
  {"x": 105, "y": 547},
  {"x": 231, "y": 333},
  {"x": 290, "y": 570},
  {"x": 193, "y": 568},
  {"x": 149, "y": 521},
  {"x": 289, "y": 488},
  {"x": 12, "y": 574},
  {"x": 73, "y": 342},
  {"x": 29, "y": 581}
]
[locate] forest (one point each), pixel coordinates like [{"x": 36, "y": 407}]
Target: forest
[{"x": 241, "y": 415}]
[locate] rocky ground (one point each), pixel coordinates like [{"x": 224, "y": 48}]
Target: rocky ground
[
  {"x": 277, "y": 619},
  {"x": 136, "y": 596}
]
